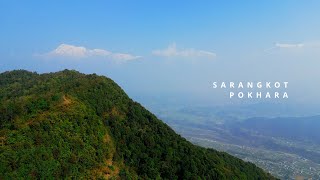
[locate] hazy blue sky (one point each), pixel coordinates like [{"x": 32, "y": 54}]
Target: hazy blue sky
[{"x": 168, "y": 47}]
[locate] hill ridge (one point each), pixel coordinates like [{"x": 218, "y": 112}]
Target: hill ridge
[{"x": 69, "y": 140}]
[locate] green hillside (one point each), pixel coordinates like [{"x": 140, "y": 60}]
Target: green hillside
[{"x": 76, "y": 126}]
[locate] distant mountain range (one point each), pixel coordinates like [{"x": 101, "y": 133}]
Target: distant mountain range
[{"x": 293, "y": 128}]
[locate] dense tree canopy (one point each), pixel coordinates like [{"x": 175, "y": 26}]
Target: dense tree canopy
[{"x": 68, "y": 124}]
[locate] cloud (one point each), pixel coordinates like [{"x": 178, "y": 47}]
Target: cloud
[
  {"x": 172, "y": 51},
  {"x": 278, "y": 46},
  {"x": 78, "y": 52},
  {"x": 286, "y": 45}
]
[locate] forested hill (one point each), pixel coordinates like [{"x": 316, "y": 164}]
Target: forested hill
[{"x": 71, "y": 125}]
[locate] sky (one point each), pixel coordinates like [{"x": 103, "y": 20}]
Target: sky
[{"x": 168, "y": 48}]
